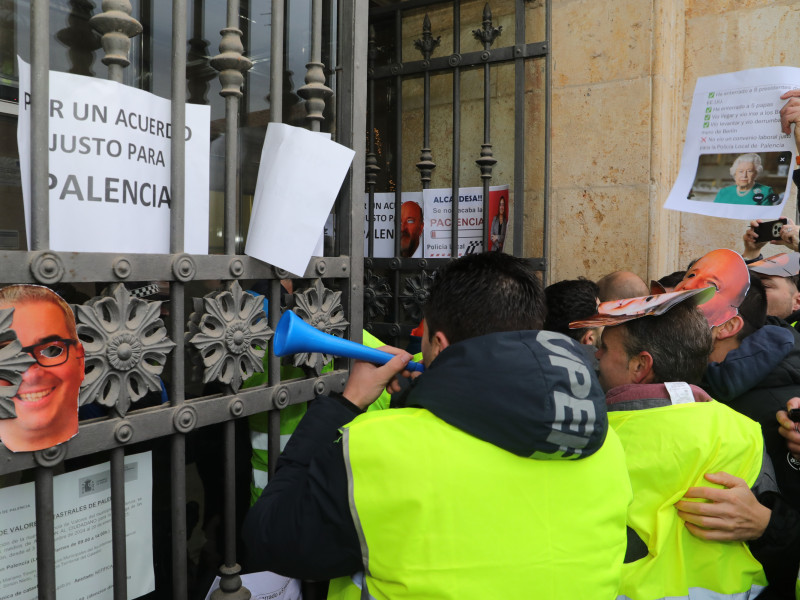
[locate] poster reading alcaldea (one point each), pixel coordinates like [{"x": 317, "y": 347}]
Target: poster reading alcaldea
[
  {"x": 109, "y": 166},
  {"x": 438, "y": 209}
]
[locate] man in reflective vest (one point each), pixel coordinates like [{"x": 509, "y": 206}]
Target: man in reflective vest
[
  {"x": 495, "y": 477},
  {"x": 673, "y": 434}
]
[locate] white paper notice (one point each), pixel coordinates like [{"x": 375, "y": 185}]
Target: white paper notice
[
  {"x": 298, "y": 179},
  {"x": 110, "y": 166},
  {"x": 736, "y": 161},
  {"x": 266, "y": 586},
  {"x": 82, "y": 506}
]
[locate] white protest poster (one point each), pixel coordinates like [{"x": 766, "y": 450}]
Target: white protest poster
[
  {"x": 82, "y": 507},
  {"x": 736, "y": 160},
  {"x": 438, "y": 215},
  {"x": 382, "y": 229},
  {"x": 110, "y": 166},
  {"x": 290, "y": 207},
  {"x": 266, "y": 586}
]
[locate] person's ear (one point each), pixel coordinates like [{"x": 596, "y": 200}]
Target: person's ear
[
  {"x": 796, "y": 301},
  {"x": 79, "y": 351},
  {"x": 438, "y": 343},
  {"x": 729, "y": 328},
  {"x": 641, "y": 368},
  {"x": 591, "y": 337}
]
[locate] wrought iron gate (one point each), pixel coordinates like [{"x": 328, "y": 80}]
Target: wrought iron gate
[
  {"x": 223, "y": 325},
  {"x": 408, "y": 59}
]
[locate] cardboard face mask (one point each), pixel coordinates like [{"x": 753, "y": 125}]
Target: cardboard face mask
[
  {"x": 615, "y": 312},
  {"x": 785, "y": 264},
  {"x": 40, "y": 401},
  {"x": 727, "y": 272}
]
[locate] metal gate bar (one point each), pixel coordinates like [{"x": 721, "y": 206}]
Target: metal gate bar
[
  {"x": 455, "y": 167},
  {"x": 40, "y": 240},
  {"x": 407, "y": 288}
]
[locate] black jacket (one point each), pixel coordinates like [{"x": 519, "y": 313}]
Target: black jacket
[
  {"x": 757, "y": 379},
  {"x": 500, "y": 388}
]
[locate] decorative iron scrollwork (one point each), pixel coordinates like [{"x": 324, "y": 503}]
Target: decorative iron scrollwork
[
  {"x": 377, "y": 295},
  {"x": 427, "y": 44},
  {"x": 229, "y": 329},
  {"x": 322, "y": 308},
  {"x": 487, "y": 34},
  {"x": 13, "y": 363},
  {"x": 126, "y": 347},
  {"x": 415, "y": 294}
]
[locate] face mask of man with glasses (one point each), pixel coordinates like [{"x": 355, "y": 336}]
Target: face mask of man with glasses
[{"x": 46, "y": 402}]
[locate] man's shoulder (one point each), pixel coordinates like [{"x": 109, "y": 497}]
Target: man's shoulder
[{"x": 379, "y": 418}]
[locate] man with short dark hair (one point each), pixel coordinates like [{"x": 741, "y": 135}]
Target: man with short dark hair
[
  {"x": 572, "y": 300},
  {"x": 465, "y": 487},
  {"x": 46, "y": 402},
  {"x": 649, "y": 368}
]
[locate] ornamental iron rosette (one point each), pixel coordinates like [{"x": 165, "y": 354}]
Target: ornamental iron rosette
[
  {"x": 13, "y": 363},
  {"x": 126, "y": 346},
  {"x": 377, "y": 295},
  {"x": 415, "y": 294},
  {"x": 322, "y": 308},
  {"x": 231, "y": 335}
]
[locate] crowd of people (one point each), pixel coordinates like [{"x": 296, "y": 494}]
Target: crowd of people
[{"x": 607, "y": 439}]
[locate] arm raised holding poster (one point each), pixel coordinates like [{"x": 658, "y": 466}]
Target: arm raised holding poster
[{"x": 737, "y": 158}]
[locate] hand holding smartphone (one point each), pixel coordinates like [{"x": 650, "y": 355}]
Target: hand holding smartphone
[{"x": 770, "y": 230}]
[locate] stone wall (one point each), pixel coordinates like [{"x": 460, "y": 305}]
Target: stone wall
[{"x": 623, "y": 74}]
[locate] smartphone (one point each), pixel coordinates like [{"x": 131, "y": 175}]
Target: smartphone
[
  {"x": 770, "y": 230},
  {"x": 794, "y": 415}
]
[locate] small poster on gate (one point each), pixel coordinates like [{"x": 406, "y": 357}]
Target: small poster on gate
[
  {"x": 438, "y": 207},
  {"x": 383, "y": 225},
  {"x": 499, "y": 210}
]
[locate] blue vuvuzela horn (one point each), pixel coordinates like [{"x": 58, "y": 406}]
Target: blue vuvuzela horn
[{"x": 293, "y": 335}]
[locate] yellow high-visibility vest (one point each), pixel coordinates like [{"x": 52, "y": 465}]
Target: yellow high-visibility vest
[
  {"x": 668, "y": 450},
  {"x": 443, "y": 514}
]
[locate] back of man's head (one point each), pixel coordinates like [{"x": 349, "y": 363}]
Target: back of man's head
[
  {"x": 753, "y": 309},
  {"x": 621, "y": 284},
  {"x": 484, "y": 293},
  {"x": 567, "y": 301},
  {"x": 679, "y": 341}
]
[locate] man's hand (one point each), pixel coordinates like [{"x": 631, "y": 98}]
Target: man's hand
[
  {"x": 790, "y": 113},
  {"x": 790, "y": 237},
  {"x": 367, "y": 381},
  {"x": 733, "y": 514},
  {"x": 789, "y": 429},
  {"x": 752, "y": 247}
]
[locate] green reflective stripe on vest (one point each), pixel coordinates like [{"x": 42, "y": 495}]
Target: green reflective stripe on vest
[
  {"x": 668, "y": 450},
  {"x": 442, "y": 514}
]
